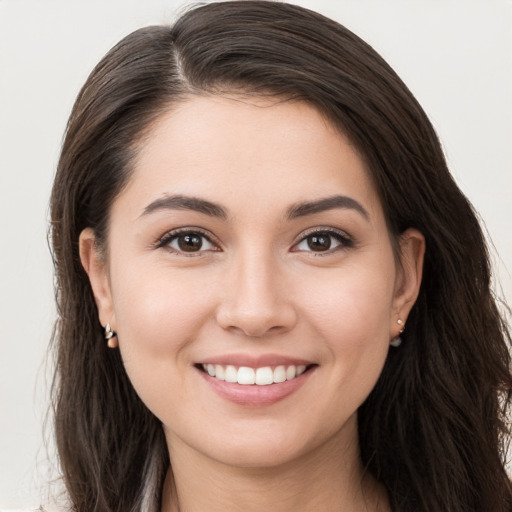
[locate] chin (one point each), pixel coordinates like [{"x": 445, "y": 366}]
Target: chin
[
  {"x": 273, "y": 445},
  {"x": 258, "y": 455}
]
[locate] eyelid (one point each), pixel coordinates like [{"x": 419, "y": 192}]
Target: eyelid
[
  {"x": 346, "y": 241},
  {"x": 165, "y": 239}
]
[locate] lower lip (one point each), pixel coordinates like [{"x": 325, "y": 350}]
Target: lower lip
[{"x": 254, "y": 395}]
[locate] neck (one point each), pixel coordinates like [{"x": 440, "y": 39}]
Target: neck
[{"x": 329, "y": 479}]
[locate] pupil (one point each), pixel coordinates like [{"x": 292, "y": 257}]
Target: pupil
[
  {"x": 319, "y": 242},
  {"x": 190, "y": 243}
]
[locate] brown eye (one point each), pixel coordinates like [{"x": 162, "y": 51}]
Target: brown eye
[
  {"x": 189, "y": 242},
  {"x": 319, "y": 242},
  {"x": 323, "y": 241}
]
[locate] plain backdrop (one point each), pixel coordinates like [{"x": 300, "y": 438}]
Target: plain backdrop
[{"x": 455, "y": 56}]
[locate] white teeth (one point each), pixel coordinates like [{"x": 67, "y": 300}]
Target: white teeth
[
  {"x": 245, "y": 375},
  {"x": 231, "y": 375},
  {"x": 264, "y": 376},
  {"x": 279, "y": 374},
  {"x": 301, "y": 369},
  {"x": 219, "y": 372},
  {"x": 291, "y": 371}
]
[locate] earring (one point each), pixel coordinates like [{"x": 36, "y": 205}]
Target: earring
[
  {"x": 397, "y": 340},
  {"x": 110, "y": 336}
]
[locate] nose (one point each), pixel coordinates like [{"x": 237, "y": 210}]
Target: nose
[{"x": 255, "y": 299}]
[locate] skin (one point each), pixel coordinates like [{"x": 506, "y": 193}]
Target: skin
[{"x": 256, "y": 287}]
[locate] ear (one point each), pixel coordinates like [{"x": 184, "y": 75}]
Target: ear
[
  {"x": 96, "y": 268},
  {"x": 408, "y": 280}
]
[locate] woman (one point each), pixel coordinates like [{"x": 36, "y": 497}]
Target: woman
[{"x": 272, "y": 295}]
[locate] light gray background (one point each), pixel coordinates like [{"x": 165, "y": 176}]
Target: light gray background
[{"x": 455, "y": 55}]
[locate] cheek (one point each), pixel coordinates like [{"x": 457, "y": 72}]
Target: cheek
[
  {"x": 158, "y": 313},
  {"x": 353, "y": 308},
  {"x": 354, "y": 328},
  {"x": 350, "y": 314}
]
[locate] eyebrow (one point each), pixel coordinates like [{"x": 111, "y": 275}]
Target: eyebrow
[
  {"x": 328, "y": 203},
  {"x": 180, "y": 202}
]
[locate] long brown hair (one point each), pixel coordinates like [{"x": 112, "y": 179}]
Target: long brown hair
[{"x": 433, "y": 430}]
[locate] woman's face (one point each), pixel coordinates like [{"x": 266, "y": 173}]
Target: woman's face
[{"x": 250, "y": 245}]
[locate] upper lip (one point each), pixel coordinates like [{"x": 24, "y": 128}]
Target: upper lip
[{"x": 255, "y": 361}]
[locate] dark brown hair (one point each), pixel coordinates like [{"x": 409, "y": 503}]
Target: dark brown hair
[{"x": 433, "y": 429}]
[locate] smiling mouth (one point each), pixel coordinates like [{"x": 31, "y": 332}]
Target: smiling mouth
[{"x": 246, "y": 376}]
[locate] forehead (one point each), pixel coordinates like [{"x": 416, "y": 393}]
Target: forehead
[{"x": 238, "y": 150}]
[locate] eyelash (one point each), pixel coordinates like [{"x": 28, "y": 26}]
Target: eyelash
[
  {"x": 344, "y": 240},
  {"x": 168, "y": 238}
]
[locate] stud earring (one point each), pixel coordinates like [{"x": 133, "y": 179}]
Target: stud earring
[
  {"x": 110, "y": 336},
  {"x": 397, "y": 340}
]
